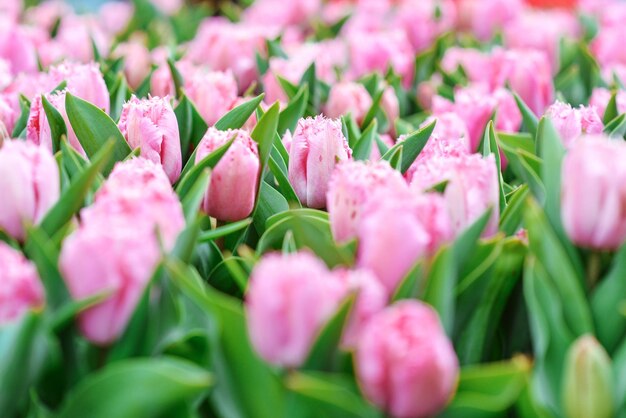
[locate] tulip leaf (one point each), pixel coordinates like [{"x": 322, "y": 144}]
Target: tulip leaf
[
  {"x": 270, "y": 202},
  {"x": 56, "y": 122},
  {"x": 350, "y": 130},
  {"x": 177, "y": 78},
  {"x": 140, "y": 387},
  {"x": 412, "y": 144},
  {"x": 295, "y": 110},
  {"x": 191, "y": 128},
  {"x": 529, "y": 119},
  {"x": 238, "y": 116},
  {"x": 412, "y": 285},
  {"x": 19, "y": 130},
  {"x": 94, "y": 128},
  {"x": 188, "y": 179},
  {"x": 324, "y": 354},
  {"x": 363, "y": 147},
  {"x": 283, "y": 183},
  {"x": 371, "y": 113},
  {"x": 512, "y": 216},
  {"x": 120, "y": 93},
  {"x": 314, "y": 213},
  {"x": 246, "y": 386},
  {"x": 72, "y": 199},
  {"x": 224, "y": 230},
  {"x": 619, "y": 365},
  {"x": 439, "y": 292},
  {"x": 337, "y": 394},
  {"x": 395, "y": 159},
  {"x": 611, "y": 111},
  {"x": 617, "y": 127},
  {"x": 490, "y": 146},
  {"x": 192, "y": 199},
  {"x": 264, "y": 133},
  {"x": 607, "y": 300}
]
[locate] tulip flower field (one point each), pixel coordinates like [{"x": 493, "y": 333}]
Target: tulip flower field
[{"x": 313, "y": 209}]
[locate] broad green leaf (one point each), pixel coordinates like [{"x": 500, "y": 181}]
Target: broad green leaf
[
  {"x": 412, "y": 145},
  {"x": 140, "y": 387},
  {"x": 412, "y": 286},
  {"x": 238, "y": 116},
  {"x": 439, "y": 292},
  {"x": 611, "y": 111},
  {"x": 224, "y": 230},
  {"x": 490, "y": 146},
  {"x": 528, "y": 117},
  {"x": 617, "y": 127},
  {"x": 177, "y": 78},
  {"x": 188, "y": 179},
  {"x": 56, "y": 122},
  {"x": 20, "y": 124},
  {"x": 512, "y": 216},
  {"x": 395, "y": 159},
  {"x": 193, "y": 198},
  {"x": 283, "y": 183},
  {"x": 371, "y": 113},
  {"x": 295, "y": 110},
  {"x": 264, "y": 133},
  {"x": 363, "y": 148},
  {"x": 94, "y": 128},
  {"x": 314, "y": 213},
  {"x": 191, "y": 128},
  {"x": 269, "y": 202}
]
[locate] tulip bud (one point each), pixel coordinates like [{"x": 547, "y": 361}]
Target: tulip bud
[
  {"x": 20, "y": 287},
  {"x": 17, "y": 48},
  {"x": 405, "y": 363},
  {"x": 213, "y": 93},
  {"x": 29, "y": 185},
  {"x": 84, "y": 81},
  {"x": 588, "y": 381},
  {"x": 233, "y": 187},
  {"x": 371, "y": 298},
  {"x": 38, "y": 127},
  {"x": 391, "y": 106},
  {"x": 347, "y": 97},
  {"x": 592, "y": 193},
  {"x": 426, "y": 20},
  {"x": 350, "y": 187},
  {"x": 600, "y": 100},
  {"x": 137, "y": 61},
  {"x": 397, "y": 228},
  {"x": 317, "y": 146},
  {"x": 289, "y": 299},
  {"x": 8, "y": 115},
  {"x": 571, "y": 123},
  {"x": 151, "y": 125},
  {"x": 472, "y": 188},
  {"x": 484, "y": 17}
]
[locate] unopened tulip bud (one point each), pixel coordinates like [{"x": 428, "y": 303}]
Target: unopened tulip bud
[
  {"x": 151, "y": 125},
  {"x": 232, "y": 191},
  {"x": 588, "y": 381},
  {"x": 29, "y": 185},
  {"x": 347, "y": 97},
  {"x": 213, "y": 93},
  {"x": 317, "y": 146},
  {"x": 571, "y": 123},
  {"x": 405, "y": 363},
  {"x": 84, "y": 81},
  {"x": 20, "y": 287},
  {"x": 289, "y": 299}
]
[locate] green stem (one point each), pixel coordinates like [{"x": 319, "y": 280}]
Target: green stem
[{"x": 594, "y": 265}]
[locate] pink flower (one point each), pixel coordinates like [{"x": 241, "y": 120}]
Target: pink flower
[
  {"x": 541, "y": 30},
  {"x": 571, "y": 123},
  {"x": 115, "y": 16},
  {"x": 424, "y": 20},
  {"x": 476, "y": 64},
  {"x": 472, "y": 188},
  {"x": 385, "y": 139},
  {"x": 396, "y": 229},
  {"x": 213, "y": 93},
  {"x": 11, "y": 9},
  {"x": 289, "y": 299},
  {"x": 140, "y": 190},
  {"x": 8, "y": 115},
  {"x": 223, "y": 46},
  {"x": 600, "y": 98},
  {"x": 38, "y": 128},
  {"x": 348, "y": 97},
  {"x": 29, "y": 185},
  {"x": 161, "y": 82},
  {"x": 232, "y": 191},
  {"x": 151, "y": 125},
  {"x": 352, "y": 184},
  {"x": 390, "y": 105},
  {"x": 169, "y": 7},
  {"x": 74, "y": 40},
  {"x": 317, "y": 146},
  {"x": 280, "y": 13},
  {"x": 20, "y": 287},
  {"x": 17, "y": 49},
  {"x": 608, "y": 49},
  {"x": 593, "y": 192},
  {"x": 84, "y": 81},
  {"x": 114, "y": 256},
  {"x": 485, "y": 17},
  {"x": 137, "y": 61},
  {"x": 405, "y": 363},
  {"x": 371, "y": 298}
]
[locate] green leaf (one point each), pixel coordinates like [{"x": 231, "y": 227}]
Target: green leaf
[
  {"x": 324, "y": 352},
  {"x": 363, "y": 147},
  {"x": 177, "y": 78},
  {"x": 140, "y": 387},
  {"x": 193, "y": 198},
  {"x": 264, "y": 133},
  {"x": 295, "y": 110},
  {"x": 119, "y": 95},
  {"x": 412, "y": 144},
  {"x": 512, "y": 216},
  {"x": 490, "y": 146},
  {"x": 371, "y": 113},
  {"x": 412, "y": 286},
  {"x": 395, "y": 159},
  {"x": 619, "y": 365},
  {"x": 617, "y": 127},
  {"x": 528, "y": 117},
  {"x": 56, "y": 122},
  {"x": 283, "y": 183},
  {"x": 94, "y": 128},
  {"x": 188, "y": 179},
  {"x": 269, "y": 202},
  {"x": 224, "y": 230},
  {"x": 238, "y": 116},
  {"x": 191, "y": 128},
  {"x": 20, "y": 124},
  {"x": 439, "y": 292},
  {"x": 72, "y": 200},
  {"x": 611, "y": 111}
]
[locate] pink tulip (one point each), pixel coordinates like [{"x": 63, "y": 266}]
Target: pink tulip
[
  {"x": 115, "y": 16},
  {"x": 137, "y": 61},
  {"x": 541, "y": 30},
  {"x": 472, "y": 188},
  {"x": 485, "y": 17},
  {"x": 281, "y": 14},
  {"x": 151, "y": 125},
  {"x": 477, "y": 65},
  {"x": 348, "y": 97},
  {"x": 162, "y": 83},
  {"x": 84, "y": 81},
  {"x": 38, "y": 128},
  {"x": 371, "y": 298},
  {"x": 20, "y": 287},
  {"x": 449, "y": 139},
  {"x": 390, "y": 105},
  {"x": 213, "y": 93},
  {"x": 424, "y": 20},
  {"x": 352, "y": 184},
  {"x": 571, "y": 123},
  {"x": 593, "y": 192},
  {"x": 317, "y": 146},
  {"x": 29, "y": 185},
  {"x": 8, "y": 115},
  {"x": 139, "y": 189},
  {"x": 608, "y": 49},
  {"x": 73, "y": 41},
  {"x": 289, "y": 299},
  {"x": 396, "y": 229},
  {"x": 11, "y": 9},
  {"x": 223, "y": 46},
  {"x": 232, "y": 191},
  {"x": 17, "y": 49},
  {"x": 405, "y": 363},
  {"x": 169, "y": 7},
  {"x": 114, "y": 256},
  {"x": 600, "y": 98}
]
